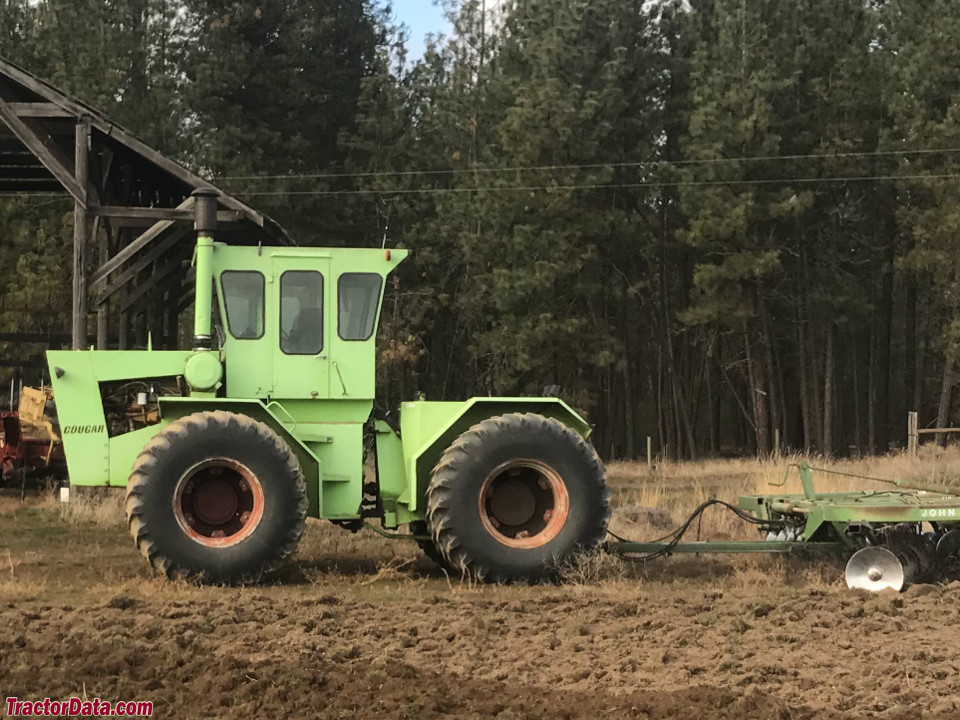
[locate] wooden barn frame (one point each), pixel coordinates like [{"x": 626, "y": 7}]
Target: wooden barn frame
[{"x": 132, "y": 211}]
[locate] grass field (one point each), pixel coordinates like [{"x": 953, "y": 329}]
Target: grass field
[{"x": 359, "y": 626}]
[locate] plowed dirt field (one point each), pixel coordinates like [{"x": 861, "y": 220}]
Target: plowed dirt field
[{"x": 362, "y": 627}]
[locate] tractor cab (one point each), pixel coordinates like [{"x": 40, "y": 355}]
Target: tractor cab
[{"x": 299, "y": 323}]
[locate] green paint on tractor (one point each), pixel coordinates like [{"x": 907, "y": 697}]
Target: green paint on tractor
[{"x": 224, "y": 448}]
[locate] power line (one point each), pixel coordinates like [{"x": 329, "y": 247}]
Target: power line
[
  {"x": 533, "y": 188},
  {"x": 599, "y": 186},
  {"x": 595, "y": 166}
]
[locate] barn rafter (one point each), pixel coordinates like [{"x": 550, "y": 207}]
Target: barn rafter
[{"x": 132, "y": 210}]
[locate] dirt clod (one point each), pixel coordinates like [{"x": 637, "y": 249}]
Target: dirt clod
[
  {"x": 121, "y": 602},
  {"x": 763, "y": 609},
  {"x": 920, "y": 590}
]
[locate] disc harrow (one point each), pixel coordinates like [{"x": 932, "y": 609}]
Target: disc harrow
[{"x": 893, "y": 538}]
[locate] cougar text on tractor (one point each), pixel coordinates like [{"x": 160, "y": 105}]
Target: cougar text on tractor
[{"x": 226, "y": 448}]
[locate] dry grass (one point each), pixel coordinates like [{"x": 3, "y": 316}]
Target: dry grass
[
  {"x": 591, "y": 569},
  {"x": 102, "y": 510},
  {"x": 16, "y": 590},
  {"x": 932, "y": 464},
  {"x": 678, "y": 488},
  {"x": 10, "y": 504}
]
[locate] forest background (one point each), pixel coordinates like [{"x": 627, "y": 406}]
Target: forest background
[{"x": 712, "y": 222}]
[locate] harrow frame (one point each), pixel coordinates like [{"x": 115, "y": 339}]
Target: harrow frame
[{"x": 837, "y": 522}]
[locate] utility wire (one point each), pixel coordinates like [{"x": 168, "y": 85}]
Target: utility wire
[
  {"x": 594, "y": 166},
  {"x": 532, "y": 188},
  {"x": 598, "y": 186}
]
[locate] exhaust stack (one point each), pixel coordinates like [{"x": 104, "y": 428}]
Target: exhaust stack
[{"x": 205, "y": 224}]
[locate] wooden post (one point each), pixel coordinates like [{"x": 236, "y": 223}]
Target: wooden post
[
  {"x": 912, "y": 434},
  {"x": 103, "y": 325},
  {"x": 123, "y": 330},
  {"x": 81, "y": 161},
  {"x": 101, "y": 236},
  {"x": 649, "y": 453},
  {"x": 124, "y": 320},
  {"x": 171, "y": 327},
  {"x": 156, "y": 317},
  {"x": 139, "y": 328},
  {"x": 776, "y": 443}
]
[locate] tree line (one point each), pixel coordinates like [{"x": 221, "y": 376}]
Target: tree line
[{"x": 712, "y": 222}]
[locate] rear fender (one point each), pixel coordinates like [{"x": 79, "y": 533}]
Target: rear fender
[{"x": 428, "y": 428}]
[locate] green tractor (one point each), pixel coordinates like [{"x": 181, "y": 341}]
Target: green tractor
[{"x": 225, "y": 449}]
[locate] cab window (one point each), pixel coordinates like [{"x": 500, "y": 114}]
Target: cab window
[
  {"x": 301, "y": 312},
  {"x": 243, "y": 300},
  {"x": 359, "y": 300}
]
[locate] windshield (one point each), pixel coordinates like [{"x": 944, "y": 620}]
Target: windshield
[{"x": 243, "y": 299}]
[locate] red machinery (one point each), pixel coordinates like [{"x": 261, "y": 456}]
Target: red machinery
[{"x": 30, "y": 445}]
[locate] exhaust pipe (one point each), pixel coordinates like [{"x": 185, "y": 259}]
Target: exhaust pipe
[{"x": 205, "y": 224}]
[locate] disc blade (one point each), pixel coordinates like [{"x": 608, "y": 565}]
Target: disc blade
[
  {"x": 874, "y": 569},
  {"x": 949, "y": 544}
]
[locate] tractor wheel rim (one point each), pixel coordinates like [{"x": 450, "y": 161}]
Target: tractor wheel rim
[
  {"x": 218, "y": 502},
  {"x": 524, "y": 503}
]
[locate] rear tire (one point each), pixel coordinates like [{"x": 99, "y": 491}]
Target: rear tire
[
  {"x": 216, "y": 497},
  {"x": 515, "y": 497}
]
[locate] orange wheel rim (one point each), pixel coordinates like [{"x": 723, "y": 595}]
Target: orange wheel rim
[
  {"x": 218, "y": 502},
  {"x": 524, "y": 503}
]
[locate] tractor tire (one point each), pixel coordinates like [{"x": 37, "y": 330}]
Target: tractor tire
[
  {"x": 218, "y": 498},
  {"x": 515, "y": 497}
]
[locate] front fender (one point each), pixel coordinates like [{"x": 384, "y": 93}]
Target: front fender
[
  {"x": 93, "y": 457},
  {"x": 172, "y": 408}
]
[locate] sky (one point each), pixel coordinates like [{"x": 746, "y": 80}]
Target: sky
[{"x": 422, "y": 17}]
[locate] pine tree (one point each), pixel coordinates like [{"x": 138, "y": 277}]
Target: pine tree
[
  {"x": 763, "y": 91},
  {"x": 921, "y": 40},
  {"x": 274, "y": 85}
]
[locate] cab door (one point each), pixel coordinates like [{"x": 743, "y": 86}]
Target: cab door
[{"x": 301, "y": 288}]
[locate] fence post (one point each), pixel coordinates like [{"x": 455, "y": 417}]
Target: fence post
[
  {"x": 912, "y": 433},
  {"x": 649, "y": 453}
]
